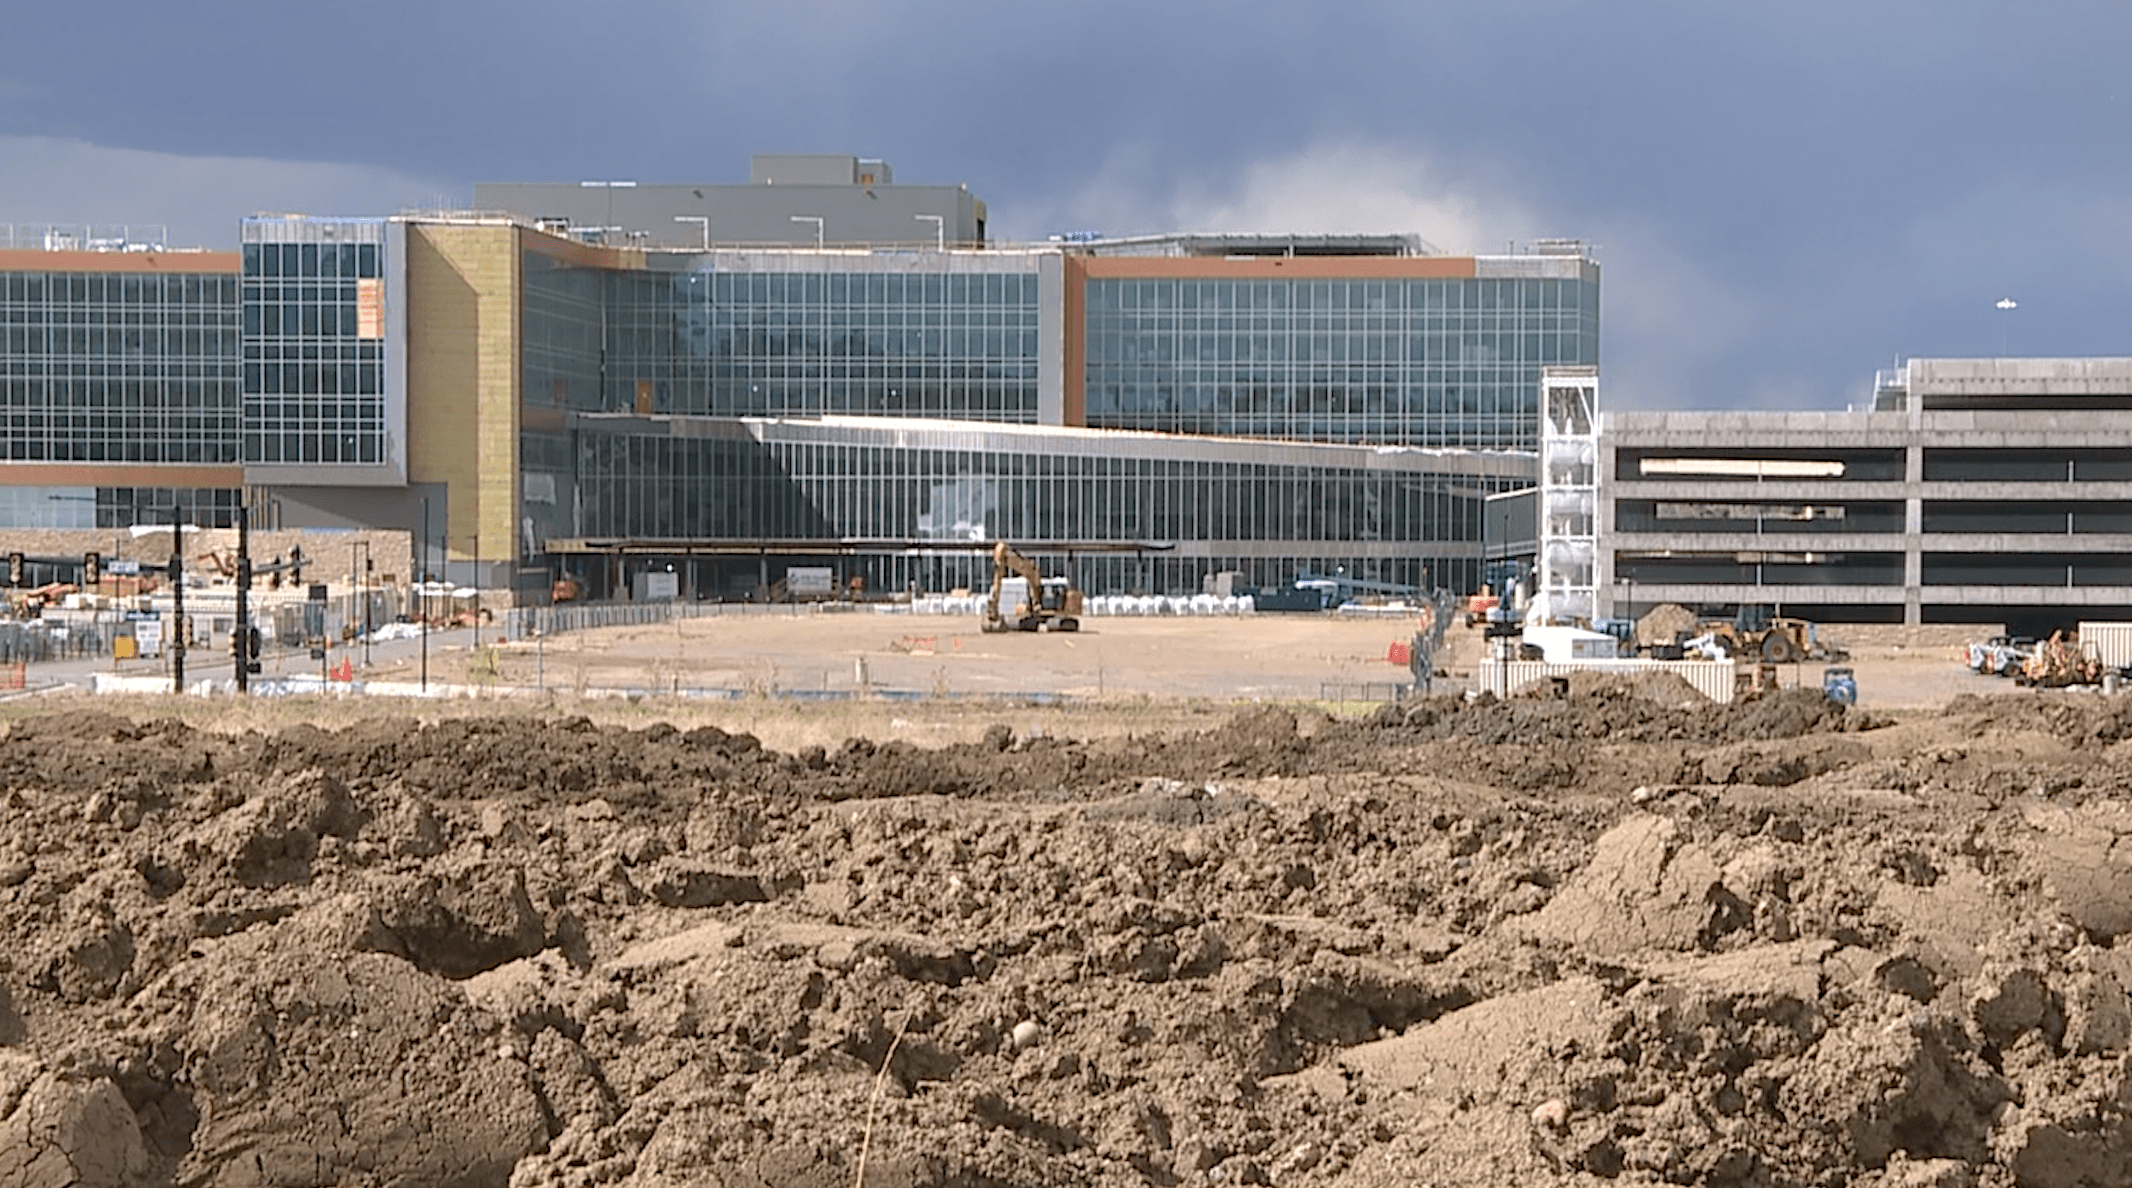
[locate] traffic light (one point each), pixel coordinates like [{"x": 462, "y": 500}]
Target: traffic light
[
  {"x": 244, "y": 573},
  {"x": 17, "y": 569},
  {"x": 244, "y": 646},
  {"x": 274, "y": 576},
  {"x": 92, "y": 568},
  {"x": 296, "y": 566}
]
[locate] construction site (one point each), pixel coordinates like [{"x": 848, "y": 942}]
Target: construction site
[
  {"x": 1135, "y": 904},
  {"x": 541, "y": 695}
]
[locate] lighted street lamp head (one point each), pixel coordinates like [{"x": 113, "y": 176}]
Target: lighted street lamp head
[{"x": 2008, "y": 303}]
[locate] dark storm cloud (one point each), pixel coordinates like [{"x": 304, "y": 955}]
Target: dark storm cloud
[
  {"x": 189, "y": 201},
  {"x": 1784, "y": 197}
]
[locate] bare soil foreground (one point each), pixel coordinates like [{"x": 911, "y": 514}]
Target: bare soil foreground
[{"x": 1608, "y": 938}]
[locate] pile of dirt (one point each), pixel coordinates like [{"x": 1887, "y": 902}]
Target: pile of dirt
[
  {"x": 1460, "y": 942},
  {"x": 1665, "y": 688},
  {"x": 1664, "y": 624}
]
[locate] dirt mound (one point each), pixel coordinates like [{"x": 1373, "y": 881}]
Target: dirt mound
[
  {"x": 1531, "y": 940},
  {"x": 1665, "y": 623}
]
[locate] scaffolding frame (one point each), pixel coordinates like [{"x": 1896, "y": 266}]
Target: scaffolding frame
[{"x": 1569, "y": 494}]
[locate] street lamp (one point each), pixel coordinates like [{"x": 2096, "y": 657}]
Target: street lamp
[
  {"x": 422, "y": 592},
  {"x": 361, "y": 579},
  {"x": 817, "y": 221},
  {"x": 177, "y": 599},
  {"x": 702, "y": 219},
  {"x": 940, "y": 229},
  {"x": 2006, "y": 305}
]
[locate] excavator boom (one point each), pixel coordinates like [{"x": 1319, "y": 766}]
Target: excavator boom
[{"x": 1051, "y": 604}]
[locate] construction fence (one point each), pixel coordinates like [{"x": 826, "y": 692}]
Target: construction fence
[
  {"x": 529, "y": 622},
  {"x": 1715, "y": 679}
]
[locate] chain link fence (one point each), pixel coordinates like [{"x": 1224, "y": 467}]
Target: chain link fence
[
  {"x": 526, "y": 622},
  {"x": 37, "y": 642},
  {"x": 1429, "y": 640}
]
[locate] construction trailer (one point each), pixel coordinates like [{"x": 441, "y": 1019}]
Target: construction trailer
[{"x": 2111, "y": 643}]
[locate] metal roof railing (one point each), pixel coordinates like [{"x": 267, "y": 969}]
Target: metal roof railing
[{"x": 86, "y": 237}]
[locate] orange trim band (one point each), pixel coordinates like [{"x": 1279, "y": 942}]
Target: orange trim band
[
  {"x": 173, "y": 263},
  {"x": 120, "y": 474}
]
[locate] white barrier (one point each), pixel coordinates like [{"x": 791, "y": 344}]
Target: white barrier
[
  {"x": 1096, "y": 606},
  {"x": 1714, "y": 679},
  {"x": 2111, "y": 642},
  {"x": 108, "y": 682}
]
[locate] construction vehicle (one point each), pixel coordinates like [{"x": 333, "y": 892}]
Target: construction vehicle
[
  {"x": 1479, "y": 605},
  {"x": 223, "y": 562},
  {"x": 1499, "y": 587},
  {"x": 2001, "y": 655},
  {"x": 1044, "y": 604},
  {"x": 1755, "y": 634},
  {"x": 2060, "y": 663},
  {"x": 1329, "y": 591}
]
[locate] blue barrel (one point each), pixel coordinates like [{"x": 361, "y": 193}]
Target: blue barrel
[{"x": 1840, "y": 685}]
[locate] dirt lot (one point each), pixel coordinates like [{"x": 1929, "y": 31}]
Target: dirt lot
[
  {"x": 1151, "y": 940},
  {"x": 1255, "y": 658}
]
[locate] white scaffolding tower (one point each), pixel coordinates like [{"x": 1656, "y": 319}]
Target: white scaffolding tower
[{"x": 1569, "y": 493}]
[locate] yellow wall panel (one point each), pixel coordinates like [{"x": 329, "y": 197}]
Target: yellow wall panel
[{"x": 463, "y": 379}]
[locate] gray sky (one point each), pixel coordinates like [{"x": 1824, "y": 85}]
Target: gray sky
[{"x": 1784, "y": 197}]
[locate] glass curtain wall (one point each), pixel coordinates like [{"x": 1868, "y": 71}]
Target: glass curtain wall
[
  {"x": 738, "y": 488},
  {"x": 562, "y": 320},
  {"x": 1439, "y": 362},
  {"x": 873, "y": 338},
  {"x": 119, "y": 367},
  {"x": 781, "y": 343},
  {"x": 314, "y": 341}
]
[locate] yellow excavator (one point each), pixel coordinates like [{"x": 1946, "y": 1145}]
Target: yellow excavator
[{"x": 1050, "y": 604}]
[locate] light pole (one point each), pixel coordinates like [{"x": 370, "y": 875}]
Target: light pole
[
  {"x": 940, "y": 229},
  {"x": 242, "y": 651},
  {"x": 177, "y": 599},
  {"x": 361, "y": 579},
  {"x": 422, "y": 592},
  {"x": 704, "y": 220},
  {"x": 477, "y": 586},
  {"x": 817, "y": 221},
  {"x": 2007, "y": 306}
]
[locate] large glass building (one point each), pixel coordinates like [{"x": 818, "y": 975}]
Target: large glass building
[
  {"x": 807, "y": 334},
  {"x": 536, "y": 396},
  {"x": 119, "y": 382},
  {"x": 1404, "y": 349},
  {"x": 314, "y": 338},
  {"x": 719, "y": 410}
]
